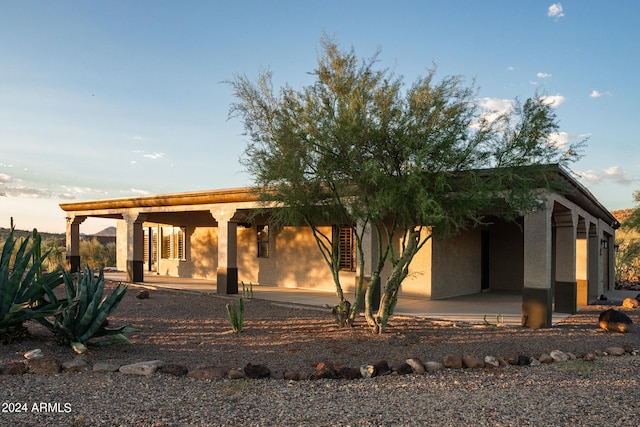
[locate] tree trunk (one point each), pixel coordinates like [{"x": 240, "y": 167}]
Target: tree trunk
[{"x": 392, "y": 285}]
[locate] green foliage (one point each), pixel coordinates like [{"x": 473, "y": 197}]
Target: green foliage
[
  {"x": 236, "y": 317},
  {"x": 628, "y": 242},
  {"x": 85, "y": 315},
  {"x": 247, "y": 290},
  {"x": 96, "y": 255},
  {"x": 357, "y": 147},
  {"x": 25, "y": 293}
]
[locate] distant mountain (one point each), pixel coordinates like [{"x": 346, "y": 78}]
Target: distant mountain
[
  {"x": 107, "y": 232},
  {"x": 4, "y": 233}
]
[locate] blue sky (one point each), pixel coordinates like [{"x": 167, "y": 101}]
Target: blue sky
[{"x": 106, "y": 99}]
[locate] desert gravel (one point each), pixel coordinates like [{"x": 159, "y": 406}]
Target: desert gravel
[{"x": 192, "y": 330}]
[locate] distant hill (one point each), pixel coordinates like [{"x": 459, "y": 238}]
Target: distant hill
[
  {"x": 107, "y": 232},
  {"x": 4, "y": 233}
]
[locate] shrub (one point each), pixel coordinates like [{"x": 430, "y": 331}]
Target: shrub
[
  {"x": 86, "y": 312},
  {"x": 236, "y": 317},
  {"x": 25, "y": 293}
]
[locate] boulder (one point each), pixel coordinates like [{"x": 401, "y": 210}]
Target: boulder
[
  {"x": 433, "y": 366},
  {"x": 142, "y": 368},
  {"x": 208, "y": 373},
  {"x": 77, "y": 364},
  {"x": 15, "y": 368},
  {"x": 236, "y": 374},
  {"x": 324, "y": 370},
  {"x": 291, "y": 375},
  {"x": 545, "y": 358},
  {"x": 523, "y": 360},
  {"x": 630, "y": 303},
  {"x": 256, "y": 371},
  {"x": 615, "y": 351},
  {"x": 614, "y": 321},
  {"x": 106, "y": 367},
  {"x": 348, "y": 373},
  {"x": 377, "y": 369},
  {"x": 174, "y": 369},
  {"x": 399, "y": 367},
  {"x": 36, "y": 353},
  {"x": 143, "y": 294},
  {"x": 472, "y": 361},
  {"x": 416, "y": 365},
  {"x": 44, "y": 365},
  {"x": 491, "y": 362},
  {"x": 589, "y": 357},
  {"x": 452, "y": 362},
  {"x": 559, "y": 356}
]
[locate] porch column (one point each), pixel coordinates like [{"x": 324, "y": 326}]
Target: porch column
[
  {"x": 227, "y": 274},
  {"x": 370, "y": 254},
  {"x": 565, "y": 262},
  {"x": 582, "y": 262},
  {"x": 536, "y": 293},
  {"x": 135, "y": 246},
  {"x": 73, "y": 241},
  {"x": 593, "y": 263}
]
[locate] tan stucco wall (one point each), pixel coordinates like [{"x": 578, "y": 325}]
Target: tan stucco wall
[{"x": 419, "y": 281}]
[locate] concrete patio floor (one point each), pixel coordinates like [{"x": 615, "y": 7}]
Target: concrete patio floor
[{"x": 467, "y": 308}]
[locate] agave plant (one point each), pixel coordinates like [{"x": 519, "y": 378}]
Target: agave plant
[
  {"x": 25, "y": 292},
  {"x": 85, "y": 316}
]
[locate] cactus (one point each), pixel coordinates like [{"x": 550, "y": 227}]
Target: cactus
[
  {"x": 236, "y": 317},
  {"x": 85, "y": 316},
  {"x": 247, "y": 291},
  {"x": 25, "y": 293}
]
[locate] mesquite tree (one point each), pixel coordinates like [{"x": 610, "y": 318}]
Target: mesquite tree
[{"x": 358, "y": 147}]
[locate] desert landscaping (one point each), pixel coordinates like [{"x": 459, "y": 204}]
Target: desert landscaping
[{"x": 292, "y": 365}]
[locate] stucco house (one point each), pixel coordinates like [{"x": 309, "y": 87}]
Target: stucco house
[{"x": 559, "y": 257}]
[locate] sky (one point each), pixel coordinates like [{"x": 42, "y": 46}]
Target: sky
[{"x": 109, "y": 99}]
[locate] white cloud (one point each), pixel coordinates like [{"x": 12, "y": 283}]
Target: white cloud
[
  {"x": 154, "y": 156},
  {"x": 559, "y": 139},
  {"x": 28, "y": 192},
  {"x": 553, "y": 100},
  {"x": 595, "y": 94},
  {"x": 4, "y": 178},
  {"x": 613, "y": 174},
  {"x": 543, "y": 75},
  {"x": 138, "y": 191},
  {"x": 555, "y": 11},
  {"x": 494, "y": 108},
  {"x": 511, "y": 68}
]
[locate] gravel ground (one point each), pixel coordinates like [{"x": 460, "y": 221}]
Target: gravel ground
[{"x": 192, "y": 330}]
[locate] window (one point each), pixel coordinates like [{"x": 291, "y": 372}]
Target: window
[
  {"x": 173, "y": 243},
  {"x": 263, "y": 241},
  {"x": 345, "y": 246}
]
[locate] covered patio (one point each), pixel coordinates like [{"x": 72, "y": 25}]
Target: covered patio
[{"x": 505, "y": 307}]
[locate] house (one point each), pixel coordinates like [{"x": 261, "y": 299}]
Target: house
[{"x": 558, "y": 257}]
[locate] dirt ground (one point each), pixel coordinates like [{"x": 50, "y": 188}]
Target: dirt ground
[{"x": 193, "y": 329}]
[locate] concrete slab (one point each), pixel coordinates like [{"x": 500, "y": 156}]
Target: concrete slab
[{"x": 493, "y": 307}]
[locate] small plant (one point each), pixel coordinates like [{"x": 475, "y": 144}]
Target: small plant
[
  {"x": 499, "y": 320},
  {"x": 25, "y": 292},
  {"x": 85, "y": 316},
  {"x": 236, "y": 317},
  {"x": 247, "y": 291}
]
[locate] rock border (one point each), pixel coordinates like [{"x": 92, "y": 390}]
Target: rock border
[{"x": 36, "y": 362}]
